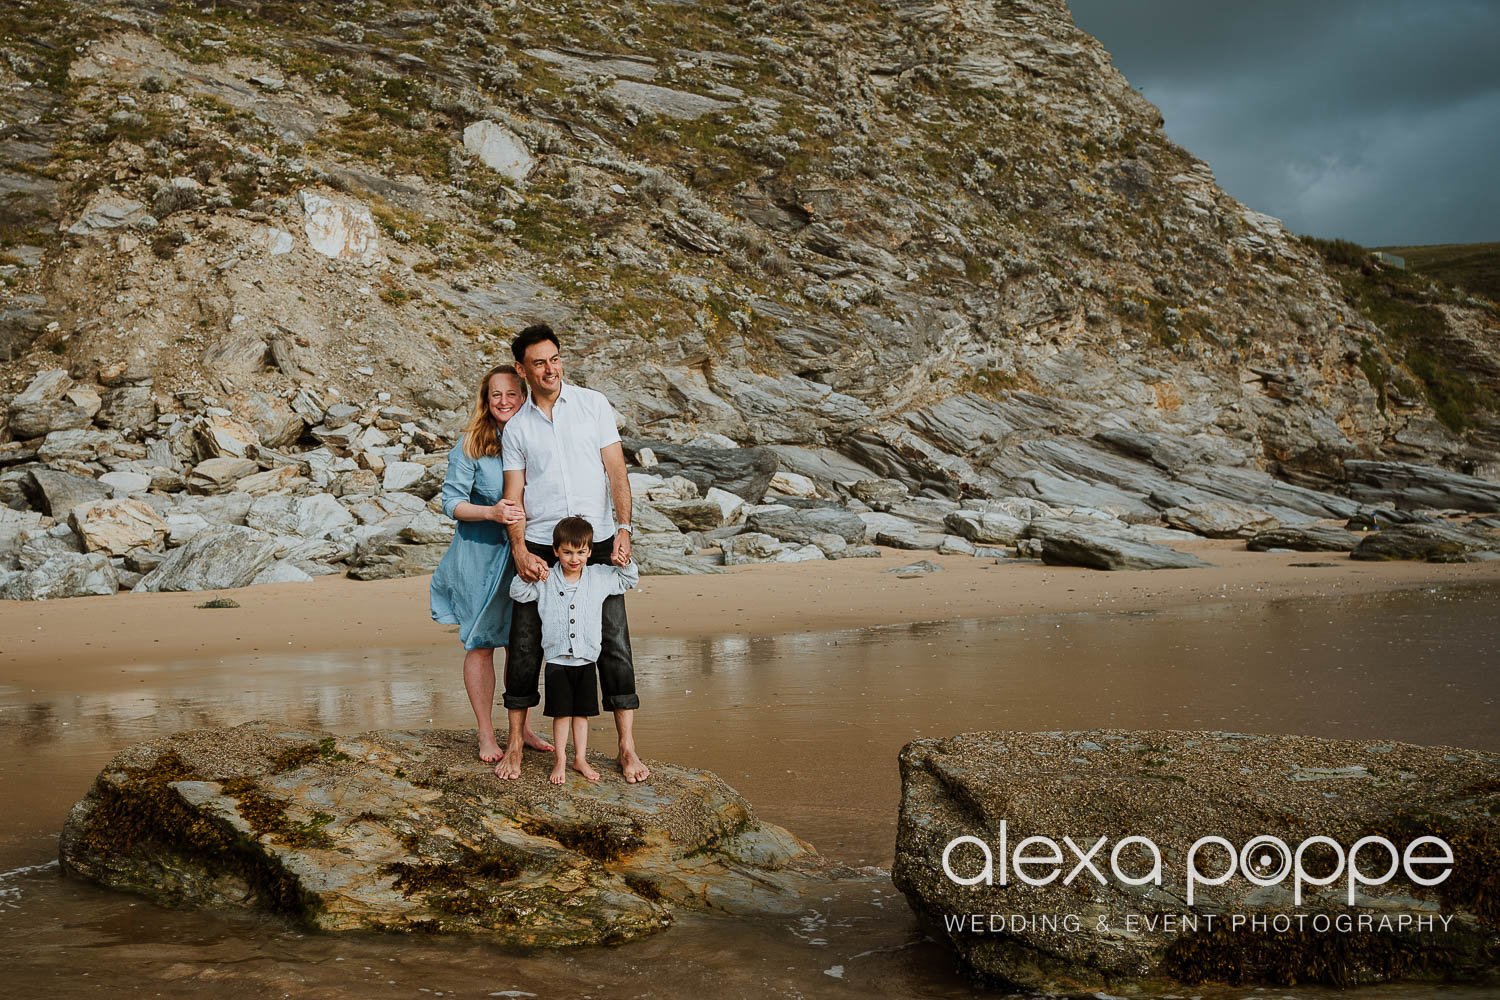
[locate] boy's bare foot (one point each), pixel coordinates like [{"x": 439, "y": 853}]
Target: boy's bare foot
[
  {"x": 509, "y": 767},
  {"x": 581, "y": 765},
  {"x": 560, "y": 773},
  {"x": 632, "y": 766},
  {"x": 489, "y": 750},
  {"x": 536, "y": 742}
]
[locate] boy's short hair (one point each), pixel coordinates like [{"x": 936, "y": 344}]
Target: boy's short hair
[
  {"x": 533, "y": 334},
  {"x": 573, "y": 531}
]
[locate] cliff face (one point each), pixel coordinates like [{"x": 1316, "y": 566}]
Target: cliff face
[{"x": 913, "y": 235}]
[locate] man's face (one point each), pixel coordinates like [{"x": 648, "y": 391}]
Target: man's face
[
  {"x": 541, "y": 367},
  {"x": 572, "y": 557}
]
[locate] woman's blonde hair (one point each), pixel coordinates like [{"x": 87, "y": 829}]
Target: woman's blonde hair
[{"x": 482, "y": 436}]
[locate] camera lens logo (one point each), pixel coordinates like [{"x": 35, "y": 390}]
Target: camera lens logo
[{"x": 1266, "y": 860}]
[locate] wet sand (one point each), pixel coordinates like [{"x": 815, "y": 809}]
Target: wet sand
[
  {"x": 761, "y": 675},
  {"x": 94, "y": 636}
]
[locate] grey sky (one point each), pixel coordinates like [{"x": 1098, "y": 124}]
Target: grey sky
[{"x": 1375, "y": 121}]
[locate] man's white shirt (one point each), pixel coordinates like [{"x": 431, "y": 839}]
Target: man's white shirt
[{"x": 564, "y": 471}]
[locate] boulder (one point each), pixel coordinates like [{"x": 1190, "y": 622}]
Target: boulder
[
  {"x": 122, "y": 483},
  {"x": 1419, "y": 486},
  {"x": 792, "y": 484},
  {"x": 406, "y": 832},
  {"x": 227, "y": 437},
  {"x": 275, "y": 423},
  {"x": 655, "y": 561},
  {"x": 217, "y": 558},
  {"x": 401, "y": 475},
  {"x": 897, "y": 532},
  {"x": 500, "y": 149},
  {"x": 385, "y": 557},
  {"x": 1304, "y": 538},
  {"x": 1219, "y": 519},
  {"x": 880, "y": 494},
  {"x": 745, "y": 472},
  {"x": 1074, "y": 548},
  {"x": 117, "y": 526},
  {"x": 801, "y": 525},
  {"x": 105, "y": 211},
  {"x": 751, "y": 547},
  {"x": 51, "y": 402},
  {"x": 219, "y": 475},
  {"x": 1436, "y": 542},
  {"x": 984, "y": 527},
  {"x": 1174, "y": 788},
  {"x": 63, "y": 574},
  {"x": 81, "y": 444},
  {"x": 341, "y": 229},
  {"x": 128, "y": 407},
  {"x": 55, "y": 493},
  {"x": 279, "y": 479},
  {"x": 316, "y": 516},
  {"x": 692, "y": 515},
  {"x": 731, "y": 506}
]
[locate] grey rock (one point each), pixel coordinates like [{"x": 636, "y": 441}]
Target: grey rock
[
  {"x": 63, "y": 574},
  {"x": 880, "y": 494},
  {"x": 1437, "y": 543},
  {"x": 1176, "y": 785},
  {"x": 956, "y": 545},
  {"x": 219, "y": 558},
  {"x": 1219, "y": 519},
  {"x": 274, "y": 421},
  {"x": 745, "y": 472},
  {"x": 427, "y": 528},
  {"x": 984, "y": 527},
  {"x": 51, "y": 402},
  {"x": 1073, "y": 548},
  {"x": 106, "y": 211},
  {"x": 316, "y": 516},
  {"x": 899, "y": 533},
  {"x": 386, "y": 558},
  {"x": 400, "y": 831},
  {"x": 751, "y": 547},
  {"x": 692, "y": 515},
  {"x": 661, "y": 562},
  {"x": 801, "y": 525},
  {"x": 78, "y": 445},
  {"x": 1305, "y": 538},
  {"x": 128, "y": 407},
  {"x": 911, "y": 571},
  {"x": 1419, "y": 486},
  {"x": 56, "y": 493},
  {"x": 219, "y": 475}
]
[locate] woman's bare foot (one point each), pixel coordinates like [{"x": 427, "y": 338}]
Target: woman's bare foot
[
  {"x": 489, "y": 750},
  {"x": 634, "y": 769},
  {"x": 536, "y": 742},
  {"x": 560, "y": 773},
  {"x": 509, "y": 767},
  {"x": 581, "y": 765}
]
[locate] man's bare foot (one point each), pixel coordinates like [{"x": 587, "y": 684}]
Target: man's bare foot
[
  {"x": 559, "y": 773},
  {"x": 634, "y": 768},
  {"x": 581, "y": 765},
  {"x": 509, "y": 767},
  {"x": 489, "y": 750},
  {"x": 536, "y": 742}
]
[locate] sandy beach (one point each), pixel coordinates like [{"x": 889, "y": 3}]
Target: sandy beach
[{"x": 86, "y": 635}]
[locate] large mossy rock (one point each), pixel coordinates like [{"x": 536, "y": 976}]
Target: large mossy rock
[
  {"x": 407, "y": 831},
  {"x": 1175, "y": 787}
]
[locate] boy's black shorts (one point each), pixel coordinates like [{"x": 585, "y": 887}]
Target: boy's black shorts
[{"x": 571, "y": 690}]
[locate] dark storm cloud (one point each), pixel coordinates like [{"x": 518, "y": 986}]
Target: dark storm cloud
[{"x": 1377, "y": 121}]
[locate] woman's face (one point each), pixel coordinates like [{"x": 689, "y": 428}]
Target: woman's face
[{"x": 506, "y": 394}]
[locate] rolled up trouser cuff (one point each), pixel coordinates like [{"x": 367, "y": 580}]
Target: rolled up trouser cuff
[{"x": 620, "y": 702}]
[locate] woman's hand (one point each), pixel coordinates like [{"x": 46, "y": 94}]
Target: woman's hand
[{"x": 507, "y": 512}]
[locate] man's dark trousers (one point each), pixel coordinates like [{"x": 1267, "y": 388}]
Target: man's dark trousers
[{"x": 523, "y": 662}]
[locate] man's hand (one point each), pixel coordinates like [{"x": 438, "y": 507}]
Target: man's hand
[
  {"x": 507, "y": 512},
  {"x": 531, "y": 568},
  {"x": 621, "y": 554}
]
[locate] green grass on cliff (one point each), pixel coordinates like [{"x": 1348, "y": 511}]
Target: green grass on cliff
[
  {"x": 1474, "y": 267},
  {"x": 1405, "y": 304}
]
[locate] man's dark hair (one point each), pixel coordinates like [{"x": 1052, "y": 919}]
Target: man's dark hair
[
  {"x": 573, "y": 531},
  {"x": 533, "y": 334}
]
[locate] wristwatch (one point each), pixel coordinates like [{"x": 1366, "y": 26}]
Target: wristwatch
[{"x": 626, "y": 527}]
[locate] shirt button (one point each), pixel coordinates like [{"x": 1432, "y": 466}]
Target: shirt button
[
  {"x": 572, "y": 621},
  {"x": 572, "y": 635}
]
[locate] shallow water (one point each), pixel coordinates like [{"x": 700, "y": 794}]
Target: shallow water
[{"x": 807, "y": 726}]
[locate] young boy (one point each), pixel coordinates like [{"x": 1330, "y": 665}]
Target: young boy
[{"x": 570, "y": 601}]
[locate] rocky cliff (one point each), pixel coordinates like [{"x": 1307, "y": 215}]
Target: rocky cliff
[{"x": 943, "y": 243}]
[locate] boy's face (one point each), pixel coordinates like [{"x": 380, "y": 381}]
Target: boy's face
[{"x": 572, "y": 557}]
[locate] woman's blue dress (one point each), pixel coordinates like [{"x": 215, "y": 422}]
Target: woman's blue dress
[{"x": 471, "y": 586}]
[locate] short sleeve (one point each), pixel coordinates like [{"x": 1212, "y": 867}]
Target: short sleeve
[
  {"x": 606, "y": 432},
  {"x": 512, "y": 454},
  {"x": 459, "y": 482}
]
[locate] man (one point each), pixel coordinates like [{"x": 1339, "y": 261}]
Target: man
[{"x": 562, "y": 457}]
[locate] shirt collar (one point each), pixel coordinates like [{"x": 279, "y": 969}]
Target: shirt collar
[{"x": 530, "y": 403}]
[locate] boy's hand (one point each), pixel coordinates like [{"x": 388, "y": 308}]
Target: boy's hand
[{"x": 621, "y": 555}]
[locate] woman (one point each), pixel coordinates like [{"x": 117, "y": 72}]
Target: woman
[{"x": 471, "y": 586}]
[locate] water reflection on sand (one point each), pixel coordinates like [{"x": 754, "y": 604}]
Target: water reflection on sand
[{"x": 806, "y": 725}]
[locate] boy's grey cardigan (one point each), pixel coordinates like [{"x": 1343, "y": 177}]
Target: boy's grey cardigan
[{"x": 573, "y": 630}]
